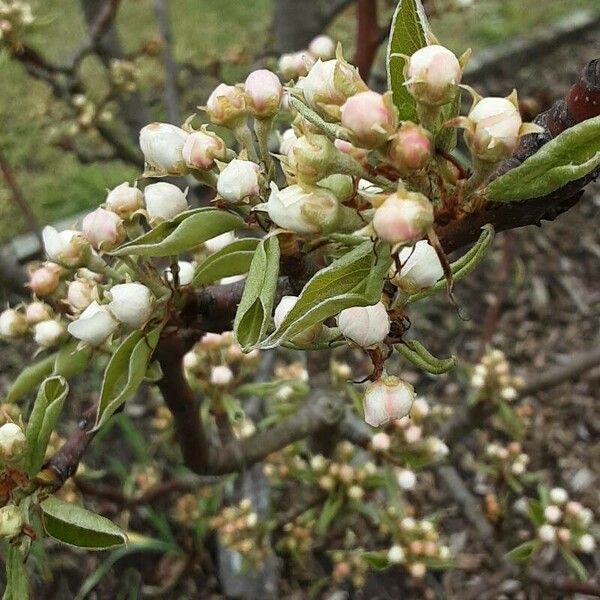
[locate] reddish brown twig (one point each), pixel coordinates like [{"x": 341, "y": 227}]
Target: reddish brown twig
[{"x": 368, "y": 37}]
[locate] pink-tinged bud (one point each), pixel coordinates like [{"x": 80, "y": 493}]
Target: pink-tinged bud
[
  {"x": 132, "y": 304},
  {"x": 45, "y": 279},
  {"x": 221, "y": 376},
  {"x": 364, "y": 325},
  {"x": 226, "y": 105},
  {"x": 381, "y": 442},
  {"x": 201, "y": 148},
  {"x": 432, "y": 75},
  {"x": 264, "y": 92},
  {"x": 403, "y": 218},
  {"x": 371, "y": 117},
  {"x": 322, "y": 47},
  {"x": 124, "y": 200},
  {"x": 359, "y": 154},
  {"x": 162, "y": 146},
  {"x": 238, "y": 181},
  {"x": 48, "y": 334},
  {"x": 12, "y": 443},
  {"x": 12, "y": 324},
  {"x": 164, "y": 201},
  {"x": 411, "y": 148},
  {"x": 296, "y": 64},
  {"x": 80, "y": 294},
  {"x": 94, "y": 326},
  {"x": 282, "y": 310},
  {"x": 421, "y": 267},
  {"x": 68, "y": 248},
  {"x": 387, "y": 399},
  {"x": 103, "y": 229},
  {"x": 37, "y": 311}
]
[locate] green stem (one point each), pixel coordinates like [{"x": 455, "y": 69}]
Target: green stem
[
  {"x": 244, "y": 136},
  {"x": 262, "y": 129}
]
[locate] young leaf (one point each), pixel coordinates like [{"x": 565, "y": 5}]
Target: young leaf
[
  {"x": 234, "y": 259},
  {"x": 569, "y": 156},
  {"x": 417, "y": 354},
  {"x": 409, "y": 32},
  {"x": 574, "y": 563},
  {"x": 522, "y": 552},
  {"x": 70, "y": 360},
  {"x": 355, "y": 279},
  {"x": 125, "y": 372},
  {"x": 46, "y": 410},
  {"x": 377, "y": 560},
  {"x": 535, "y": 511},
  {"x": 254, "y": 311},
  {"x": 186, "y": 231},
  {"x": 17, "y": 587},
  {"x": 330, "y": 509},
  {"x": 77, "y": 526},
  {"x": 30, "y": 377}
]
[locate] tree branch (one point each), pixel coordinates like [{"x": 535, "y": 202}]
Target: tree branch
[{"x": 368, "y": 37}]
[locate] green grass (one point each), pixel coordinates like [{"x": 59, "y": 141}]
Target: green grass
[{"x": 57, "y": 185}]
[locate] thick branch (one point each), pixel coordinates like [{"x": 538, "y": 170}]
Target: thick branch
[{"x": 368, "y": 37}]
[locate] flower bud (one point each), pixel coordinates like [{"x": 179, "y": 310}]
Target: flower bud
[
  {"x": 263, "y": 92},
  {"x": 364, "y": 325},
  {"x": 48, "y": 334},
  {"x": 201, "y": 148},
  {"x": 547, "y": 533},
  {"x": 185, "y": 275},
  {"x": 396, "y": 555},
  {"x": 12, "y": 443},
  {"x": 68, "y": 248},
  {"x": 296, "y": 64},
  {"x": 381, "y": 442},
  {"x": 322, "y": 47},
  {"x": 164, "y": 201},
  {"x": 359, "y": 154},
  {"x": 436, "y": 448},
  {"x": 287, "y": 140},
  {"x": 80, "y": 294},
  {"x": 403, "y": 218},
  {"x": 238, "y": 181},
  {"x": 558, "y": 496},
  {"x": 312, "y": 157},
  {"x": 221, "y": 376},
  {"x": 94, "y": 325},
  {"x": 132, "y": 304},
  {"x": 103, "y": 229},
  {"x": 219, "y": 242},
  {"x": 371, "y": 117},
  {"x": 586, "y": 543},
  {"x": 303, "y": 212},
  {"x": 420, "y": 409},
  {"x": 12, "y": 323},
  {"x": 432, "y": 75},
  {"x": 407, "y": 480},
  {"x": 162, "y": 146},
  {"x": 36, "y": 312},
  {"x": 282, "y": 310},
  {"x": 421, "y": 267},
  {"x": 45, "y": 279},
  {"x": 124, "y": 200},
  {"x": 552, "y": 514},
  {"x": 411, "y": 148},
  {"x": 11, "y": 521},
  {"x": 226, "y": 105},
  {"x": 387, "y": 399}
]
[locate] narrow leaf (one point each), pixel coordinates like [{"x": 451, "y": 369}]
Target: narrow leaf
[
  {"x": 574, "y": 563},
  {"x": 70, "y": 360},
  {"x": 417, "y": 354},
  {"x": 569, "y": 156},
  {"x": 234, "y": 259},
  {"x": 17, "y": 587},
  {"x": 30, "y": 377},
  {"x": 522, "y": 552},
  {"x": 77, "y": 526}
]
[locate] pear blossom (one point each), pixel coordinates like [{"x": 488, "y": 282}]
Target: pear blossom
[
  {"x": 12, "y": 323},
  {"x": 411, "y": 148},
  {"x": 124, "y": 200},
  {"x": 45, "y": 279},
  {"x": 132, "y": 304},
  {"x": 221, "y": 376},
  {"x": 162, "y": 146},
  {"x": 80, "y": 293},
  {"x": 94, "y": 326},
  {"x": 12, "y": 442},
  {"x": 164, "y": 201},
  {"x": 282, "y": 310},
  {"x": 49, "y": 333},
  {"x": 364, "y": 325},
  {"x": 371, "y": 117},
  {"x": 264, "y": 93},
  {"x": 11, "y": 521},
  {"x": 201, "y": 148},
  {"x": 219, "y": 242},
  {"x": 185, "y": 274},
  {"x": 36, "y": 312},
  {"x": 421, "y": 267},
  {"x": 322, "y": 47},
  {"x": 68, "y": 248},
  {"x": 226, "y": 105},
  {"x": 103, "y": 229},
  {"x": 387, "y": 399},
  {"x": 238, "y": 181}
]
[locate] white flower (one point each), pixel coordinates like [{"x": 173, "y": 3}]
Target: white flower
[
  {"x": 162, "y": 146},
  {"x": 12, "y": 442},
  {"x": 387, "y": 399},
  {"x": 201, "y": 148},
  {"x": 396, "y": 555},
  {"x": 124, "y": 200},
  {"x": 364, "y": 325},
  {"x": 586, "y": 543},
  {"x": 421, "y": 267},
  {"x": 103, "y": 229},
  {"x": 164, "y": 201},
  {"x": 80, "y": 293},
  {"x": 218, "y": 243},
  {"x": 68, "y": 247},
  {"x": 281, "y": 312},
  {"x": 547, "y": 533},
  {"x": 322, "y": 47},
  {"x": 287, "y": 141},
  {"x": 48, "y": 333},
  {"x": 12, "y": 323},
  {"x": 407, "y": 480},
  {"x": 186, "y": 273},
  {"x": 132, "y": 304},
  {"x": 558, "y": 496},
  {"x": 238, "y": 180},
  {"x": 94, "y": 326},
  {"x": 221, "y": 376}
]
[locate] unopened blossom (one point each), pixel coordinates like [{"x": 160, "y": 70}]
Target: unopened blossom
[
  {"x": 552, "y": 513},
  {"x": 94, "y": 326},
  {"x": 164, "y": 201},
  {"x": 238, "y": 181},
  {"x": 403, "y": 218},
  {"x": 125, "y": 200},
  {"x": 132, "y": 304},
  {"x": 219, "y": 242},
  {"x": 103, "y": 229},
  {"x": 396, "y": 555},
  {"x": 322, "y": 47},
  {"x": 387, "y": 399},
  {"x": 68, "y": 248},
  {"x": 80, "y": 294},
  {"x": 221, "y": 375},
  {"x": 303, "y": 211},
  {"x": 432, "y": 75},
  {"x": 45, "y": 279},
  {"x": 411, "y": 148},
  {"x": 263, "y": 92},
  {"x": 226, "y": 105},
  {"x": 49, "y": 333},
  {"x": 295, "y": 64},
  {"x": 558, "y": 496},
  {"x": 162, "y": 146},
  {"x": 201, "y": 148},
  {"x": 12, "y": 323},
  {"x": 185, "y": 274},
  {"x": 287, "y": 140},
  {"x": 36, "y": 312},
  {"x": 366, "y": 326},
  {"x": 407, "y": 480},
  {"x": 586, "y": 543},
  {"x": 282, "y": 310},
  {"x": 12, "y": 443},
  {"x": 421, "y": 267},
  {"x": 381, "y": 442},
  {"x": 547, "y": 533},
  {"x": 371, "y": 118},
  {"x": 359, "y": 154},
  {"x": 11, "y": 521},
  {"x": 420, "y": 409}
]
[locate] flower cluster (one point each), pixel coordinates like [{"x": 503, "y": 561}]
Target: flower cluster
[
  {"x": 492, "y": 380},
  {"x": 507, "y": 463},
  {"x": 15, "y": 18},
  {"x": 297, "y": 64}
]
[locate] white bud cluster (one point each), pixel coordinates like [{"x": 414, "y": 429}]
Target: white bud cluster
[
  {"x": 492, "y": 379},
  {"x": 507, "y": 460}
]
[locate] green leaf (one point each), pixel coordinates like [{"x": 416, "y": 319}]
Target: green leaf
[
  {"x": 574, "y": 563},
  {"x": 409, "y": 32},
  {"x": 330, "y": 509},
  {"x": 186, "y": 231},
  {"x": 569, "y": 156},
  {"x": 254, "y": 311},
  {"x": 376, "y": 560},
  {"x": 125, "y": 372},
  {"x": 70, "y": 360},
  {"x": 234, "y": 259},
  {"x": 512, "y": 423},
  {"x": 46, "y": 410},
  {"x": 535, "y": 510},
  {"x": 30, "y": 377},
  {"x": 447, "y": 137},
  {"x": 523, "y": 552},
  {"x": 417, "y": 354},
  {"x": 77, "y": 526},
  {"x": 17, "y": 587},
  {"x": 355, "y": 279}
]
